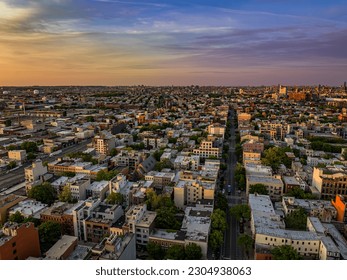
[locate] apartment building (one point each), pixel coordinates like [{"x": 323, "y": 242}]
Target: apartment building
[
  {"x": 208, "y": 149},
  {"x": 274, "y": 185},
  {"x": 19, "y": 241},
  {"x": 140, "y": 221},
  {"x": 103, "y": 144},
  {"x": 17, "y": 155},
  {"x": 330, "y": 181}
]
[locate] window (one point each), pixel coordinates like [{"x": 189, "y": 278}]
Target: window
[
  {"x": 14, "y": 252},
  {"x": 14, "y": 244}
]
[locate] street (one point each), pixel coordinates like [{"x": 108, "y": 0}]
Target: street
[{"x": 231, "y": 250}]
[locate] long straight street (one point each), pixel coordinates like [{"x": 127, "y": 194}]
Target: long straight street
[{"x": 231, "y": 249}]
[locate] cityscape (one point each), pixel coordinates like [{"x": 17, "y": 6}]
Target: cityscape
[{"x": 173, "y": 131}]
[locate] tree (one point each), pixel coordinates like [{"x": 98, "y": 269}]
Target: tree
[
  {"x": 44, "y": 193},
  {"x": 29, "y": 147},
  {"x": 11, "y": 165},
  {"x": 344, "y": 153},
  {"x": 275, "y": 156},
  {"x": 90, "y": 119},
  {"x": 246, "y": 242},
  {"x": 299, "y": 193},
  {"x": 241, "y": 211},
  {"x": 115, "y": 198},
  {"x": 106, "y": 175},
  {"x": 193, "y": 252},
  {"x": 11, "y": 147},
  {"x": 113, "y": 152},
  {"x": 155, "y": 251},
  {"x": 157, "y": 154},
  {"x": 49, "y": 233},
  {"x": 285, "y": 252},
  {"x": 215, "y": 240},
  {"x": 296, "y": 220},
  {"x": 221, "y": 202},
  {"x": 31, "y": 156},
  {"x": 16, "y": 218},
  {"x": 218, "y": 220},
  {"x": 8, "y": 123},
  {"x": 166, "y": 218},
  {"x": 259, "y": 189},
  {"x": 166, "y": 163},
  {"x": 175, "y": 252},
  {"x": 65, "y": 194}
]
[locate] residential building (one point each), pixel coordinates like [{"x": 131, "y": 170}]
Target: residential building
[
  {"x": 17, "y": 155},
  {"x": 19, "y": 241},
  {"x": 116, "y": 247},
  {"x": 6, "y": 202},
  {"x": 62, "y": 249},
  {"x": 274, "y": 185},
  {"x": 28, "y": 208},
  {"x": 208, "y": 149},
  {"x": 140, "y": 221},
  {"x": 97, "y": 225},
  {"x": 103, "y": 144},
  {"x": 340, "y": 205},
  {"x": 330, "y": 181}
]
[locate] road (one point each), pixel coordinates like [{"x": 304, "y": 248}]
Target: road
[
  {"x": 17, "y": 176},
  {"x": 231, "y": 250}
]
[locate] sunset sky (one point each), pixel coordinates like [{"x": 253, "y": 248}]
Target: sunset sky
[{"x": 110, "y": 42}]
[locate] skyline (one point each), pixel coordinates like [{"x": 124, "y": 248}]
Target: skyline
[{"x": 109, "y": 42}]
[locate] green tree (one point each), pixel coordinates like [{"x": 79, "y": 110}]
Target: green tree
[
  {"x": 31, "y": 156},
  {"x": 44, "y": 193},
  {"x": 215, "y": 240},
  {"x": 155, "y": 252},
  {"x": 65, "y": 194},
  {"x": 11, "y": 165},
  {"x": 90, "y": 119},
  {"x": 175, "y": 252},
  {"x": 157, "y": 154},
  {"x": 221, "y": 202},
  {"x": 8, "y": 123},
  {"x": 166, "y": 163},
  {"x": 275, "y": 156},
  {"x": 296, "y": 220},
  {"x": 285, "y": 252},
  {"x": 113, "y": 152},
  {"x": 115, "y": 198},
  {"x": 106, "y": 175},
  {"x": 218, "y": 220},
  {"x": 193, "y": 252},
  {"x": 17, "y": 218},
  {"x": 49, "y": 233},
  {"x": 29, "y": 147},
  {"x": 241, "y": 211},
  {"x": 245, "y": 242},
  {"x": 11, "y": 147},
  {"x": 299, "y": 193},
  {"x": 259, "y": 189},
  {"x": 166, "y": 218}
]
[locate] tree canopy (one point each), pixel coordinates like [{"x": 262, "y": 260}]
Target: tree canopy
[
  {"x": 29, "y": 147},
  {"x": 215, "y": 239},
  {"x": 246, "y": 242},
  {"x": 49, "y": 233},
  {"x": 299, "y": 193},
  {"x": 44, "y": 193},
  {"x": 115, "y": 198},
  {"x": 65, "y": 195},
  {"x": 259, "y": 189},
  {"x": 275, "y": 156},
  {"x": 296, "y": 220},
  {"x": 193, "y": 252},
  {"x": 175, "y": 252},
  {"x": 106, "y": 175},
  {"x": 218, "y": 220},
  {"x": 155, "y": 252},
  {"x": 241, "y": 211},
  {"x": 285, "y": 252}
]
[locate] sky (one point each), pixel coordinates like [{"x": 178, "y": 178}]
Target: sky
[{"x": 194, "y": 42}]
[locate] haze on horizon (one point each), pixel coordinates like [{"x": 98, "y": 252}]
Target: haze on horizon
[{"x": 111, "y": 42}]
